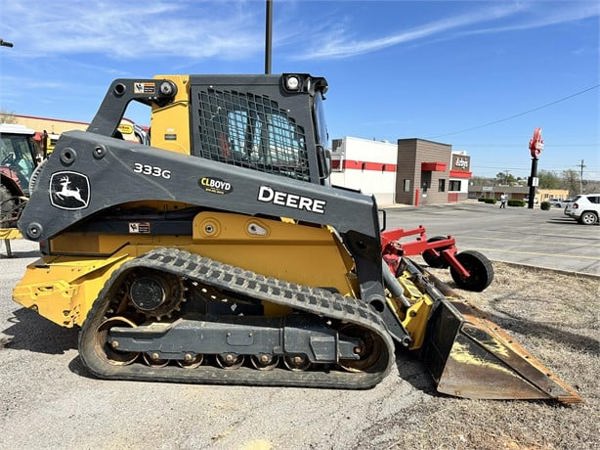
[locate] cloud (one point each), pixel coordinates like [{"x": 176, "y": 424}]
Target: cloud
[
  {"x": 133, "y": 29},
  {"x": 195, "y": 30},
  {"x": 336, "y": 44},
  {"x": 542, "y": 14},
  {"x": 27, "y": 83}
]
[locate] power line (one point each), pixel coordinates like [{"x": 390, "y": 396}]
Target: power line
[
  {"x": 546, "y": 146},
  {"x": 521, "y": 169},
  {"x": 575, "y": 168},
  {"x": 487, "y": 124}
]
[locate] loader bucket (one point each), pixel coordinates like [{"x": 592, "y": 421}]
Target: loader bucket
[{"x": 471, "y": 357}]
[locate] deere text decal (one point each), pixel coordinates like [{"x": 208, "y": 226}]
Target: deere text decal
[{"x": 269, "y": 195}]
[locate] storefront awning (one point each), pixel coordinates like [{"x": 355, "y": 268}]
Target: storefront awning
[
  {"x": 460, "y": 174},
  {"x": 433, "y": 166}
]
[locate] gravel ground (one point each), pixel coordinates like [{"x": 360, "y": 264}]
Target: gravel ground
[
  {"x": 48, "y": 400},
  {"x": 556, "y": 317}
]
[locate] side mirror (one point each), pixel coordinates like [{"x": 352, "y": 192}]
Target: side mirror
[{"x": 324, "y": 161}]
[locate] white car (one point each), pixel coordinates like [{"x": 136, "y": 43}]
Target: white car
[
  {"x": 559, "y": 203},
  {"x": 585, "y": 209}
]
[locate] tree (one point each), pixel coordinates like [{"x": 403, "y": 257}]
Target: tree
[
  {"x": 549, "y": 180},
  {"x": 505, "y": 178},
  {"x": 481, "y": 181},
  {"x": 571, "y": 181},
  {"x": 7, "y": 117}
]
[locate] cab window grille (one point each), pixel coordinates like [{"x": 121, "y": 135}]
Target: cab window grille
[{"x": 251, "y": 131}]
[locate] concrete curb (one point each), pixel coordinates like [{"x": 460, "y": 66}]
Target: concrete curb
[{"x": 563, "y": 272}]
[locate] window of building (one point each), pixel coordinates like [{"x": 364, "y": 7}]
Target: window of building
[
  {"x": 454, "y": 185},
  {"x": 425, "y": 181},
  {"x": 406, "y": 185},
  {"x": 442, "y": 185}
]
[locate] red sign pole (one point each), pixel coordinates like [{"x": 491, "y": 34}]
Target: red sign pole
[{"x": 536, "y": 145}]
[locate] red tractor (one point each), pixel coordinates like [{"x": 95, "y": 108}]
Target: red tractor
[{"x": 19, "y": 157}]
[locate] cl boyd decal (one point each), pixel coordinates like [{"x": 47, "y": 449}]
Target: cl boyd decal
[
  {"x": 215, "y": 185},
  {"x": 69, "y": 190},
  {"x": 267, "y": 194}
]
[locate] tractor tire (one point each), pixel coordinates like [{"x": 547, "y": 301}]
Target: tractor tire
[
  {"x": 432, "y": 260},
  {"x": 7, "y": 205},
  {"x": 588, "y": 218},
  {"x": 480, "y": 269}
]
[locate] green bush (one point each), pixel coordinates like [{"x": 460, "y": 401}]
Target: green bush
[
  {"x": 545, "y": 206},
  {"x": 491, "y": 201},
  {"x": 481, "y": 199},
  {"x": 516, "y": 203}
]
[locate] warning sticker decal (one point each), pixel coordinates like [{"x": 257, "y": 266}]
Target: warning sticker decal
[
  {"x": 140, "y": 87},
  {"x": 139, "y": 227}
]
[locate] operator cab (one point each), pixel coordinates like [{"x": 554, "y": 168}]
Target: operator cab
[
  {"x": 269, "y": 123},
  {"x": 17, "y": 154}
]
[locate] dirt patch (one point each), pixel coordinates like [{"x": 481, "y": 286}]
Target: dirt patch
[{"x": 555, "y": 316}]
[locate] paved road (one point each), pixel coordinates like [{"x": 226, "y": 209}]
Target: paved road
[{"x": 534, "y": 237}]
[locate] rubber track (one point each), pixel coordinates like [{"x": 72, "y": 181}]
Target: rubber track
[{"x": 223, "y": 276}]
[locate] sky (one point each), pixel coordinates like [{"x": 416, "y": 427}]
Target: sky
[{"x": 479, "y": 75}]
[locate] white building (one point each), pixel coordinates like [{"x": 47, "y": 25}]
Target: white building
[
  {"x": 366, "y": 165},
  {"x": 411, "y": 171}
]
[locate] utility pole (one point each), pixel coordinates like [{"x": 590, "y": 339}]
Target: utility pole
[
  {"x": 581, "y": 166},
  {"x": 268, "y": 36}
]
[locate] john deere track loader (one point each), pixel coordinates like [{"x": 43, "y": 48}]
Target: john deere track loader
[{"x": 220, "y": 254}]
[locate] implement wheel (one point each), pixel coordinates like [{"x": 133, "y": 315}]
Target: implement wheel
[
  {"x": 436, "y": 261},
  {"x": 480, "y": 270}
]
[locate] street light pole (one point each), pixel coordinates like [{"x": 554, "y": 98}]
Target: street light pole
[{"x": 268, "y": 36}]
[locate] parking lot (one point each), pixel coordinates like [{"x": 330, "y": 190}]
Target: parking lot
[
  {"x": 50, "y": 401},
  {"x": 538, "y": 238}
]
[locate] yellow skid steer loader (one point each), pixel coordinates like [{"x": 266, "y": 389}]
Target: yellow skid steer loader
[{"x": 221, "y": 254}]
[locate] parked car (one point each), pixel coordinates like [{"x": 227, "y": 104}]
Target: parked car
[
  {"x": 535, "y": 200},
  {"x": 585, "y": 209},
  {"x": 559, "y": 203}
]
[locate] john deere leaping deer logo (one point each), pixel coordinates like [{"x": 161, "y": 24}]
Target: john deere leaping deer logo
[{"x": 69, "y": 190}]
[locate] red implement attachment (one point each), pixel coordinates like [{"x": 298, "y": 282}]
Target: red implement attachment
[{"x": 470, "y": 270}]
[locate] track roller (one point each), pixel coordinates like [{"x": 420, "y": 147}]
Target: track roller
[
  {"x": 153, "y": 360},
  {"x": 230, "y": 361},
  {"x": 296, "y": 363},
  {"x": 190, "y": 361},
  {"x": 264, "y": 361}
]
